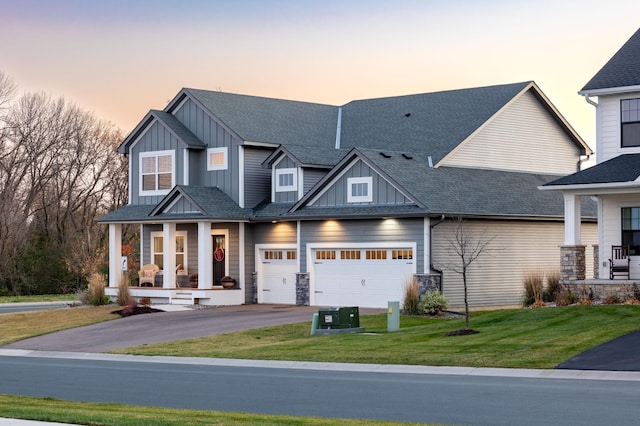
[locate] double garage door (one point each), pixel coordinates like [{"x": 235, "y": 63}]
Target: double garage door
[{"x": 349, "y": 275}]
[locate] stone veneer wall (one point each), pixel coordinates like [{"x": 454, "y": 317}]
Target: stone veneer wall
[
  {"x": 596, "y": 262},
  {"x": 302, "y": 288},
  {"x": 573, "y": 263},
  {"x": 428, "y": 282},
  {"x": 254, "y": 280}
]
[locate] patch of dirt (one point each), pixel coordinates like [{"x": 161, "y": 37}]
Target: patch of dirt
[
  {"x": 137, "y": 310},
  {"x": 462, "y": 332}
]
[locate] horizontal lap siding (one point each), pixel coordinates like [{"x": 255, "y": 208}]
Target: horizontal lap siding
[
  {"x": 257, "y": 179},
  {"x": 311, "y": 177},
  {"x": 275, "y": 233},
  {"x": 496, "y": 278},
  {"x": 520, "y": 139},
  {"x": 363, "y": 231}
]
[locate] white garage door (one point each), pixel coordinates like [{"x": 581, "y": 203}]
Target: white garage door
[
  {"x": 365, "y": 277},
  {"x": 277, "y": 276}
]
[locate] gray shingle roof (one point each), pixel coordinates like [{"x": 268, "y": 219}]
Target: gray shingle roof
[
  {"x": 622, "y": 70},
  {"x": 624, "y": 168},
  {"x": 431, "y": 124},
  {"x": 277, "y": 121}
]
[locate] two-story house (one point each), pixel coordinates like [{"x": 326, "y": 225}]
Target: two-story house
[
  {"x": 615, "y": 179},
  {"x": 303, "y": 203}
]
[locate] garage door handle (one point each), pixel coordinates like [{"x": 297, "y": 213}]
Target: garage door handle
[
  {"x": 266, "y": 263},
  {"x": 317, "y": 291},
  {"x": 265, "y": 289}
]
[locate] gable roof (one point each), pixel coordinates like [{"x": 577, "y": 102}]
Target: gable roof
[
  {"x": 621, "y": 169},
  {"x": 622, "y": 70},
  {"x": 170, "y": 123},
  {"x": 431, "y": 124},
  {"x": 269, "y": 120},
  {"x": 307, "y": 156}
]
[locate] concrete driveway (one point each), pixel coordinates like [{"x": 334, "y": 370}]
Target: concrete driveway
[{"x": 167, "y": 326}]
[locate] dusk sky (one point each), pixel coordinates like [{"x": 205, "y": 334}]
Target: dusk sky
[{"x": 121, "y": 58}]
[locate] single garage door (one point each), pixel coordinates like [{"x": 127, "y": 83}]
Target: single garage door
[
  {"x": 277, "y": 276},
  {"x": 365, "y": 277}
]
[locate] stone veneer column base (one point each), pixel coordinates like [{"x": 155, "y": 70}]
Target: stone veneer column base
[
  {"x": 572, "y": 263},
  {"x": 428, "y": 282},
  {"x": 302, "y": 288},
  {"x": 596, "y": 261}
]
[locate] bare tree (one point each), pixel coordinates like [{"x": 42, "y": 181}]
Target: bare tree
[
  {"x": 467, "y": 247},
  {"x": 60, "y": 172}
]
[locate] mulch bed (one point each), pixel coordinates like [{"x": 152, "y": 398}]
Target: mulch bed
[
  {"x": 136, "y": 310},
  {"x": 462, "y": 332}
]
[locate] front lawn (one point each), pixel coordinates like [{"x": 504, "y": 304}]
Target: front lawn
[{"x": 515, "y": 338}]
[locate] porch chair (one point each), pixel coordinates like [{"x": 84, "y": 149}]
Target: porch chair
[
  {"x": 619, "y": 262},
  {"x": 147, "y": 274}
]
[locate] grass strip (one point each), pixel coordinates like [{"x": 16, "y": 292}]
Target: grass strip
[
  {"x": 92, "y": 413},
  {"x": 39, "y": 298},
  {"x": 516, "y": 338},
  {"x": 22, "y": 325}
]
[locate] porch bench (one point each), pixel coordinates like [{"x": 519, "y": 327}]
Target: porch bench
[{"x": 619, "y": 262}]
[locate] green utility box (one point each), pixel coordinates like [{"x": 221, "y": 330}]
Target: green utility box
[{"x": 346, "y": 317}]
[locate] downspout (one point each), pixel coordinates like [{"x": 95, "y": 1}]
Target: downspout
[
  {"x": 595, "y": 104},
  {"x": 439, "y": 271}
]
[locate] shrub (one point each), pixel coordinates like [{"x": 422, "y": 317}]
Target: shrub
[
  {"x": 553, "y": 286},
  {"x": 94, "y": 293},
  {"x": 411, "y": 297},
  {"x": 533, "y": 285},
  {"x": 433, "y": 303},
  {"x": 565, "y": 297},
  {"x": 611, "y": 299},
  {"x": 124, "y": 295}
]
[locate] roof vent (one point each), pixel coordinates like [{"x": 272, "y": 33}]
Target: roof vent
[
  {"x": 408, "y": 114},
  {"x": 385, "y": 155},
  {"x": 407, "y": 156}
]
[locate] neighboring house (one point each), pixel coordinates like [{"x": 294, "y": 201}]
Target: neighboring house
[
  {"x": 303, "y": 203},
  {"x": 615, "y": 179}
]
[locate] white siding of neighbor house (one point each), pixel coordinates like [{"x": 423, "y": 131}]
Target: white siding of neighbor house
[
  {"x": 496, "y": 278},
  {"x": 524, "y": 138},
  {"x": 608, "y": 118}
]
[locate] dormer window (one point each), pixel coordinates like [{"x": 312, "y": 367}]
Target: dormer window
[
  {"x": 359, "y": 189},
  {"x": 157, "y": 175},
  {"x": 217, "y": 159},
  {"x": 630, "y": 122},
  {"x": 286, "y": 180}
]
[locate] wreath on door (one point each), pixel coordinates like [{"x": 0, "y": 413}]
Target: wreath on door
[{"x": 218, "y": 255}]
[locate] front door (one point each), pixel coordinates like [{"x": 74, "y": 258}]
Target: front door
[{"x": 219, "y": 254}]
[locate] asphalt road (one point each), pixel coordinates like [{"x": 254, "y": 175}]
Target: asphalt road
[
  {"x": 8, "y": 308},
  {"x": 416, "y": 394}
]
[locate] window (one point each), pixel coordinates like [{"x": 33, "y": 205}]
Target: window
[
  {"x": 376, "y": 254},
  {"x": 402, "y": 254},
  {"x": 631, "y": 229},
  {"x": 286, "y": 180},
  {"x": 359, "y": 190},
  {"x": 273, "y": 255},
  {"x": 217, "y": 158},
  {"x": 156, "y": 172},
  {"x": 630, "y": 122},
  {"x": 157, "y": 249},
  {"x": 325, "y": 254},
  {"x": 350, "y": 254},
  {"x": 292, "y": 255}
]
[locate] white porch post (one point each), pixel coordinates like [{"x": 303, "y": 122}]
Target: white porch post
[
  {"x": 205, "y": 264},
  {"x": 169, "y": 252},
  {"x": 115, "y": 253},
  {"x": 572, "y": 215}
]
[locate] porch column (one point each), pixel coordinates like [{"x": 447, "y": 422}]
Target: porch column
[
  {"x": 205, "y": 263},
  {"x": 572, "y": 217},
  {"x": 426, "y": 269},
  {"x": 169, "y": 251},
  {"x": 115, "y": 254}
]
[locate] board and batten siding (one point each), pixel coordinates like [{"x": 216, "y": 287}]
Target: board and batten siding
[
  {"x": 523, "y": 137},
  {"x": 608, "y": 127},
  {"x": 497, "y": 277},
  {"x": 383, "y": 191},
  {"x": 362, "y": 231},
  {"x": 214, "y": 135},
  {"x": 257, "y": 179},
  {"x": 155, "y": 138}
]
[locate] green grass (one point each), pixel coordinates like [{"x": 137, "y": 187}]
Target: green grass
[
  {"x": 516, "y": 338},
  {"x": 38, "y": 298},
  {"x": 90, "y": 413}
]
